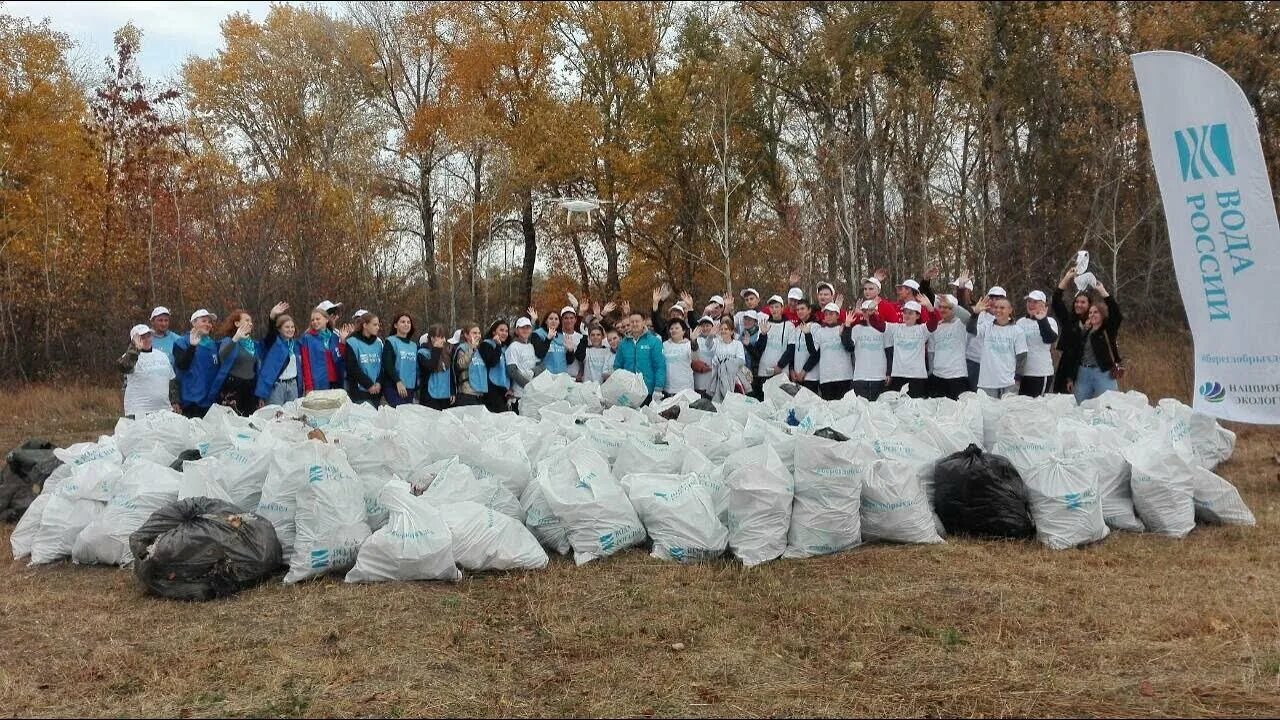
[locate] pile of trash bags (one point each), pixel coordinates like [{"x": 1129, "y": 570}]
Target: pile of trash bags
[{"x": 410, "y": 493}]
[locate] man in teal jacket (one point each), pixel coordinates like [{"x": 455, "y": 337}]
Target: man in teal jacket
[{"x": 641, "y": 352}]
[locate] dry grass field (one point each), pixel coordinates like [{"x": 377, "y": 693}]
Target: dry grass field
[{"x": 1138, "y": 625}]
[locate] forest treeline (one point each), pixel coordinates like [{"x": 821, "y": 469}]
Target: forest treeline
[{"x": 405, "y": 155}]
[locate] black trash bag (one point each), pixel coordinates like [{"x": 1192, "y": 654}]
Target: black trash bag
[
  {"x": 671, "y": 413},
  {"x": 201, "y": 549},
  {"x": 831, "y": 434},
  {"x": 980, "y": 494},
  {"x": 186, "y": 456},
  {"x": 703, "y": 404},
  {"x": 22, "y": 477},
  {"x": 791, "y": 389}
]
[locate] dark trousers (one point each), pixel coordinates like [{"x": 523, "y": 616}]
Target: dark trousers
[
  {"x": 974, "y": 367},
  {"x": 813, "y": 386},
  {"x": 834, "y": 390},
  {"x": 757, "y": 387},
  {"x": 394, "y": 397},
  {"x": 916, "y": 387},
  {"x": 360, "y": 396},
  {"x": 951, "y": 388},
  {"x": 435, "y": 404},
  {"x": 238, "y": 394},
  {"x": 1033, "y": 386},
  {"x": 869, "y": 389},
  {"x": 194, "y": 411},
  {"x": 465, "y": 399},
  {"x": 496, "y": 399}
]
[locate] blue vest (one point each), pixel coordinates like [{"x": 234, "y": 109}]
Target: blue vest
[
  {"x": 273, "y": 364},
  {"x": 555, "y": 361},
  {"x": 439, "y": 382},
  {"x": 478, "y": 373},
  {"x": 368, "y": 357},
  {"x": 498, "y": 373},
  {"x": 200, "y": 383},
  {"x": 406, "y": 360}
]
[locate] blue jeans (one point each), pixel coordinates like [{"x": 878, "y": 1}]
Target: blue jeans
[
  {"x": 283, "y": 392},
  {"x": 1092, "y": 382}
]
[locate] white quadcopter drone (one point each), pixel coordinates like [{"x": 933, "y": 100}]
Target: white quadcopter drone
[{"x": 584, "y": 207}]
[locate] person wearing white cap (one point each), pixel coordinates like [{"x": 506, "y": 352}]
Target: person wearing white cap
[
  {"x": 716, "y": 307},
  {"x": 835, "y": 366},
  {"x": 909, "y": 340},
  {"x": 752, "y": 338},
  {"x": 887, "y": 310},
  {"x": 1041, "y": 332},
  {"x": 750, "y": 298},
  {"x": 522, "y": 359},
  {"x": 366, "y": 371},
  {"x": 195, "y": 359},
  {"x": 162, "y": 338},
  {"x": 864, "y": 336},
  {"x": 434, "y": 364},
  {"x": 775, "y": 335},
  {"x": 571, "y": 336},
  {"x": 150, "y": 383},
  {"x": 1004, "y": 346},
  {"x": 400, "y": 358},
  {"x": 794, "y": 296},
  {"x": 549, "y": 343},
  {"x": 947, "y": 345},
  {"x": 973, "y": 351},
  {"x": 701, "y": 334},
  {"x": 802, "y": 365}
]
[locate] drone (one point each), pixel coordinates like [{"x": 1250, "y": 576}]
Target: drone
[{"x": 584, "y": 207}]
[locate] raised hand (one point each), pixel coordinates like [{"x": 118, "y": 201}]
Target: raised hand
[
  {"x": 839, "y": 299},
  {"x": 608, "y": 307},
  {"x": 279, "y": 309},
  {"x": 1102, "y": 290},
  {"x": 686, "y": 299},
  {"x": 931, "y": 273},
  {"x": 923, "y": 300},
  {"x": 626, "y": 308},
  {"x": 242, "y": 332},
  {"x": 982, "y": 305},
  {"x": 573, "y": 301},
  {"x": 533, "y": 315},
  {"x": 664, "y": 292},
  {"x": 595, "y": 308},
  {"x": 851, "y": 318},
  {"x": 345, "y": 331},
  {"x": 881, "y": 274},
  {"x": 793, "y": 279},
  {"x": 764, "y": 327}
]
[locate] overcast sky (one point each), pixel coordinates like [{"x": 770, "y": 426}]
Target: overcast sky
[{"x": 171, "y": 30}]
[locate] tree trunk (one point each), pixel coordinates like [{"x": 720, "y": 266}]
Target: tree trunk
[{"x": 530, "y": 250}]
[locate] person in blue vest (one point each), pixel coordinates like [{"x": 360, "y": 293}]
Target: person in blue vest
[
  {"x": 469, "y": 370},
  {"x": 366, "y": 372},
  {"x": 162, "y": 338},
  {"x": 548, "y": 343},
  {"x": 400, "y": 358},
  {"x": 280, "y": 373},
  {"x": 323, "y": 346},
  {"x": 492, "y": 351},
  {"x": 200, "y": 375},
  {"x": 641, "y": 352},
  {"x": 436, "y": 367}
]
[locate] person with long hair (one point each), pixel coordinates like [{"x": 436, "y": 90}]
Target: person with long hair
[
  {"x": 728, "y": 358},
  {"x": 366, "y": 371},
  {"x": 469, "y": 370},
  {"x": 549, "y": 343},
  {"x": 491, "y": 351},
  {"x": 400, "y": 358},
  {"x": 947, "y": 345},
  {"x": 677, "y": 350},
  {"x": 240, "y": 352},
  {"x": 1042, "y": 332},
  {"x": 323, "y": 349},
  {"x": 200, "y": 375},
  {"x": 1004, "y": 345},
  {"x": 1071, "y": 322},
  {"x": 279, "y": 377},
  {"x": 435, "y": 367},
  {"x": 1100, "y": 360}
]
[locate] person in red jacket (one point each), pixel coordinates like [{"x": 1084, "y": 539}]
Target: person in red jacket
[{"x": 887, "y": 309}]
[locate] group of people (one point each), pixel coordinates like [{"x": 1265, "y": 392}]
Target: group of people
[{"x": 918, "y": 342}]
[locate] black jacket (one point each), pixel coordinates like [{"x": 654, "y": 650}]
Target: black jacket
[{"x": 1072, "y": 335}]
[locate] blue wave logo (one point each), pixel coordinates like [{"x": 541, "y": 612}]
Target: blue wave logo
[
  {"x": 1213, "y": 392},
  {"x": 1204, "y": 150}
]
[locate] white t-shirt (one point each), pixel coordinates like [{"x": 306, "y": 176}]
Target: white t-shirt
[
  {"x": 973, "y": 351},
  {"x": 597, "y": 364},
  {"x": 290, "y": 371},
  {"x": 1001, "y": 345},
  {"x": 146, "y": 389},
  {"x": 1039, "y": 353},
  {"x": 909, "y": 344},
  {"x": 737, "y": 321},
  {"x": 947, "y": 347},
  {"x": 571, "y": 341},
  {"x": 834, "y": 362},
  {"x": 802, "y": 352},
  {"x": 702, "y": 380},
  {"x": 727, "y": 350},
  {"x": 679, "y": 372},
  {"x": 522, "y": 355},
  {"x": 779, "y": 336},
  {"x": 869, "y": 362}
]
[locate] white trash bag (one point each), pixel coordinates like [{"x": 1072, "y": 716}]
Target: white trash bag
[
  {"x": 452, "y": 481},
  {"x": 145, "y": 488},
  {"x": 761, "y": 493},
  {"x": 679, "y": 514},
  {"x": 542, "y": 522},
  {"x": 1163, "y": 485},
  {"x": 826, "y": 516},
  {"x": 894, "y": 506},
  {"x": 485, "y": 539},
  {"x": 415, "y": 544},
  {"x": 580, "y": 489},
  {"x": 331, "y": 521},
  {"x": 1065, "y": 503},
  {"x": 624, "y": 388},
  {"x": 1218, "y": 501}
]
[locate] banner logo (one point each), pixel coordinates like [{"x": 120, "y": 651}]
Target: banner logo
[
  {"x": 1213, "y": 392},
  {"x": 1204, "y": 150}
]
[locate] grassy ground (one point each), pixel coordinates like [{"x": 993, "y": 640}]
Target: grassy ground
[{"x": 1139, "y": 625}]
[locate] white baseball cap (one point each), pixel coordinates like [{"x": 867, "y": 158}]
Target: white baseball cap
[
  {"x": 717, "y": 299},
  {"x": 456, "y": 337},
  {"x": 568, "y": 309},
  {"x": 749, "y": 291},
  {"x": 139, "y": 330},
  {"x": 949, "y": 299},
  {"x": 160, "y": 310},
  {"x": 762, "y": 317},
  {"x": 965, "y": 284},
  {"x": 911, "y": 305},
  {"x": 359, "y": 314},
  {"x": 795, "y": 294},
  {"x": 873, "y": 281},
  {"x": 425, "y": 339},
  {"x": 827, "y": 285},
  {"x": 524, "y": 322},
  {"x": 774, "y": 299},
  {"x": 706, "y": 319},
  {"x": 677, "y": 308},
  {"x": 997, "y": 291},
  {"x": 831, "y": 307},
  {"x": 203, "y": 313},
  {"x": 1037, "y": 295},
  {"x": 910, "y": 283},
  {"x": 328, "y": 305},
  {"x": 751, "y": 315}
]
